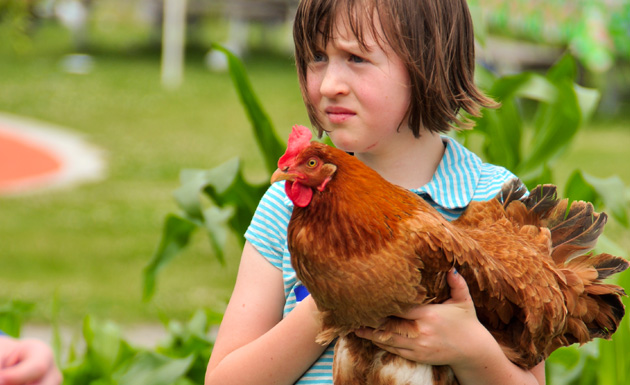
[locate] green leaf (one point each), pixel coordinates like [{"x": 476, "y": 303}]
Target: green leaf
[
  {"x": 578, "y": 189},
  {"x": 564, "y": 365},
  {"x": 540, "y": 175},
  {"x": 243, "y": 197},
  {"x": 588, "y": 99},
  {"x": 216, "y": 223},
  {"x": 175, "y": 236},
  {"x": 234, "y": 199},
  {"x": 607, "y": 245},
  {"x": 610, "y": 191},
  {"x": 12, "y": 314},
  {"x": 558, "y": 119},
  {"x": 504, "y": 127},
  {"x": 555, "y": 127},
  {"x": 194, "y": 181},
  {"x": 103, "y": 344},
  {"x": 149, "y": 368},
  {"x": 564, "y": 69},
  {"x": 268, "y": 141},
  {"x": 526, "y": 85}
]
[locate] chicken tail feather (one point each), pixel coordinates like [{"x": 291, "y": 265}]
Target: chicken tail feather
[
  {"x": 511, "y": 190},
  {"x": 594, "y": 309},
  {"x": 574, "y": 227}
]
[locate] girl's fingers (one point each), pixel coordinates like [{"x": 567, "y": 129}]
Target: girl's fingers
[{"x": 459, "y": 288}]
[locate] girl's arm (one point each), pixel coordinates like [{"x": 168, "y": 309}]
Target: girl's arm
[
  {"x": 255, "y": 345},
  {"x": 451, "y": 334}
]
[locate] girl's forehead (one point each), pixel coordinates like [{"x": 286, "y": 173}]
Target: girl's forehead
[{"x": 363, "y": 31}]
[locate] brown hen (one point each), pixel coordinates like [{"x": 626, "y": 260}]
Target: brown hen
[{"x": 366, "y": 250}]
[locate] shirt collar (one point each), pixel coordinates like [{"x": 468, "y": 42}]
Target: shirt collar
[{"x": 455, "y": 180}]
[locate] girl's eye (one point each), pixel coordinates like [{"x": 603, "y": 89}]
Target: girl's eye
[
  {"x": 356, "y": 59},
  {"x": 312, "y": 163},
  {"x": 319, "y": 57}
]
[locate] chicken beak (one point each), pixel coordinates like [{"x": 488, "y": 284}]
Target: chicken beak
[{"x": 281, "y": 174}]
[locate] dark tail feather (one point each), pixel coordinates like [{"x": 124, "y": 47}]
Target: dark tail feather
[
  {"x": 574, "y": 229},
  {"x": 594, "y": 308},
  {"x": 530, "y": 210},
  {"x": 512, "y": 190},
  {"x": 541, "y": 200}
]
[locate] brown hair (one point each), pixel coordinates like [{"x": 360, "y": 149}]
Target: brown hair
[{"x": 434, "y": 38}]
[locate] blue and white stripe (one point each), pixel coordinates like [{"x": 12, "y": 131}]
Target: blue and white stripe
[{"x": 461, "y": 177}]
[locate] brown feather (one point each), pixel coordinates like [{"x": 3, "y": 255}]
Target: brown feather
[{"x": 368, "y": 250}]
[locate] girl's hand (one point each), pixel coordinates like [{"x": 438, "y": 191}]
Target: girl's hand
[
  {"x": 444, "y": 330},
  {"x": 27, "y": 362}
]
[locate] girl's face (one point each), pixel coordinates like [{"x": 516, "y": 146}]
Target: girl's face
[{"x": 361, "y": 96}]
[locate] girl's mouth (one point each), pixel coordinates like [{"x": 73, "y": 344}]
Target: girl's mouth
[{"x": 338, "y": 114}]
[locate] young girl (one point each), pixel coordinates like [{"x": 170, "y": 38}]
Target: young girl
[{"x": 383, "y": 79}]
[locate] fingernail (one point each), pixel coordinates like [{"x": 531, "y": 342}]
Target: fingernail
[{"x": 455, "y": 271}]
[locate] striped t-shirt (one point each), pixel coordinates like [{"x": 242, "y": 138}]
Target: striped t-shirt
[{"x": 460, "y": 178}]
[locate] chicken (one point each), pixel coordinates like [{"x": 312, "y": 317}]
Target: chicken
[{"x": 367, "y": 250}]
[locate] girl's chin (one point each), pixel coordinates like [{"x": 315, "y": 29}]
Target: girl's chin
[{"x": 345, "y": 144}]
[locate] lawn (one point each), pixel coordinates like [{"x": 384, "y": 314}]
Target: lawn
[{"x": 87, "y": 245}]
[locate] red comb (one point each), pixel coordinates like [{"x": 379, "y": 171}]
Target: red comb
[{"x": 299, "y": 139}]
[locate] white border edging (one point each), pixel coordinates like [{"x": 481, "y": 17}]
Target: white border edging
[{"x": 80, "y": 161}]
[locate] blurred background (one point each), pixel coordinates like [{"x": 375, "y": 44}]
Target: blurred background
[{"x": 136, "y": 79}]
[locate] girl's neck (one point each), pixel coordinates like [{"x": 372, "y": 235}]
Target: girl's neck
[{"x": 409, "y": 162}]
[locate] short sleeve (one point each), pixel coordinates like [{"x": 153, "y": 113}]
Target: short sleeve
[{"x": 267, "y": 231}]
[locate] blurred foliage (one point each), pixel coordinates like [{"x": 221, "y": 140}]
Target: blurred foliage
[
  {"x": 234, "y": 200},
  {"x": 15, "y": 20},
  {"x": 12, "y": 314},
  {"x": 596, "y": 31},
  {"x": 561, "y": 109},
  {"x": 107, "y": 358}
]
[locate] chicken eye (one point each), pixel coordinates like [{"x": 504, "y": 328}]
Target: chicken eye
[{"x": 311, "y": 163}]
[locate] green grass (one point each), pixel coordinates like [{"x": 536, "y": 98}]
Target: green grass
[{"x": 89, "y": 244}]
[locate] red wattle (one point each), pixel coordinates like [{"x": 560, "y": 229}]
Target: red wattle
[{"x": 299, "y": 194}]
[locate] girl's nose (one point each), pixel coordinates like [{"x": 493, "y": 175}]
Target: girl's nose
[{"x": 334, "y": 83}]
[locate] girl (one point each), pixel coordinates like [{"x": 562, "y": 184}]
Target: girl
[{"x": 383, "y": 79}]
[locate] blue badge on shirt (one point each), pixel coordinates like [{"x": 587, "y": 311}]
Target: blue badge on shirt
[{"x": 300, "y": 293}]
